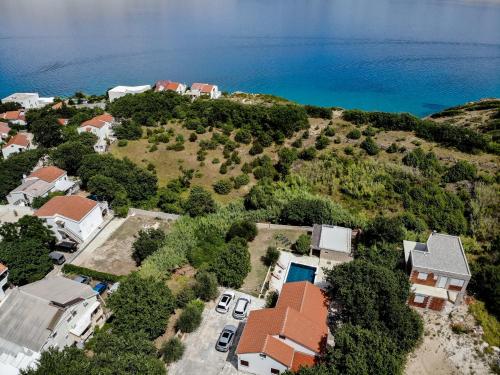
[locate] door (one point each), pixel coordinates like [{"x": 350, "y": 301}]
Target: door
[{"x": 442, "y": 282}]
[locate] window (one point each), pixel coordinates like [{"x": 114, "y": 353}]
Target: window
[
  {"x": 244, "y": 363},
  {"x": 422, "y": 276},
  {"x": 456, "y": 282},
  {"x": 418, "y": 299},
  {"x": 274, "y": 371}
]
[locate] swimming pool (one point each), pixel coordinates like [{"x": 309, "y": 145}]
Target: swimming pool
[{"x": 300, "y": 272}]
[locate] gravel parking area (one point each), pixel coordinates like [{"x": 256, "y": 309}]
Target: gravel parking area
[{"x": 200, "y": 356}]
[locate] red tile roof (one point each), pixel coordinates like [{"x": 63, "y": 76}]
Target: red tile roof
[
  {"x": 70, "y": 206},
  {"x": 62, "y": 121},
  {"x": 4, "y": 128},
  {"x": 166, "y": 85},
  {"x": 48, "y": 174},
  {"x": 3, "y": 267},
  {"x": 203, "y": 87},
  {"x": 302, "y": 360},
  {"x": 300, "y": 315},
  {"x": 98, "y": 121},
  {"x": 13, "y": 115},
  {"x": 18, "y": 139},
  {"x": 57, "y": 105}
]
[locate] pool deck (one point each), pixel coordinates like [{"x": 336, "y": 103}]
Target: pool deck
[{"x": 280, "y": 274}]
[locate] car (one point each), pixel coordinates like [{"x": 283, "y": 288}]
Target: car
[
  {"x": 101, "y": 287},
  {"x": 67, "y": 246},
  {"x": 224, "y": 302},
  {"x": 241, "y": 309},
  {"x": 113, "y": 288},
  {"x": 57, "y": 257},
  {"x": 226, "y": 338},
  {"x": 82, "y": 279}
]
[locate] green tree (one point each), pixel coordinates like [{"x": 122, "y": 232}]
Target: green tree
[
  {"x": 147, "y": 242},
  {"x": 223, "y": 187},
  {"x": 206, "y": 286},
  {"x": 27, "y": 228},
  {"x": 272, "y": 256},
  {"x": 69, "y": 155},
  {"x": 384, "y": 229},
  {"x": 199, "y": 202},
  {"x": 172, "y": 350},
  {"x": 141, "y": 305},
  {"x": 244, "y": 229},
  {"x": 322, "y": 142},
  {"x": 40, "y": 201},
  {"x": 286, "y": 158},
  {"x": 68, "y": 361},
  {"x": 354, "y": 134},
  {"x": 303, "y": 244},
  {"x": 370, "y": 146},
  {"x": 462, "y": 170},
  {"x": 190, "y": 318},
  {"x": 105, "y": 188},
  {"x": 46, "y": 131},
  {"x": 13, "y": 169},
  {"x": 232, "y": 264}
]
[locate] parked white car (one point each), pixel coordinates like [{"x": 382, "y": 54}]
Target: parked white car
[
  {"x": 241, "y": 309},
  {"x": 224, "y": 302}
]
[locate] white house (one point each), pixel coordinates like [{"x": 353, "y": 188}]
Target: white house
[
  {"x": 28, "y": 100},
  {"x": 101, "y": 127},
  {"x": 332, "y": 244},
  {"x": 40, "y": 183},
  {"x": 14, "y": 117},
  {"x": 72, "y": 217},
  {"x": 119, "y": 91},
  {"x": 212, "y": 91},
  {"x": 179, "y": 88},
  {"x": 4, "y": 130},
  {"x": 17, "y": 143},
  {"x": 288, "y": 336},
  {"x": 53, "y": 312},
  {"x": 4, "y": 276}
]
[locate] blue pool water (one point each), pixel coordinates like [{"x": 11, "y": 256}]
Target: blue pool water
[
  {"x": 392, "y": 55},
  {"x": 300, "y": 272}
]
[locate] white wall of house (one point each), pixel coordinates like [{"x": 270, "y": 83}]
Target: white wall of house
[
  {"x": 82, "y": 229},
  {"x": 4, "y": 278},
  {"x": 28, "y": 100},
  {"x": 259, "y": 365},
  {"x": 103, "y": 134},
  {"x": 22, "y": 199},
  {"x": 12, "y": 149}
]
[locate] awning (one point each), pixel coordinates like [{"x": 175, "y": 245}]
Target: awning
[
  {"x": 429, "y": 291},
  {"x": 84, "y": 321}
]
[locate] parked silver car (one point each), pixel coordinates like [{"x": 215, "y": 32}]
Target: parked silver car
[
  {"x": 241, "y": 309},
  {"x": 226, "y": 338},
  {"x": 224, "y": 302}
]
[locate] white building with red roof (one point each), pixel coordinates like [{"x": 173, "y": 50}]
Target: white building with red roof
[
  {"x": 40, "y": 183},
  {"x": 102, "y": 127},
  {"x": 205, "y": 89},
  {"x": 4, "y": 130},
  {"x": 14, "y": 117},
  {"x": 17, "y": 143},
  {"x": 288, "y": 336},
  {"x": 179, "y": 88},
  {"x": 71, "y": 217}
]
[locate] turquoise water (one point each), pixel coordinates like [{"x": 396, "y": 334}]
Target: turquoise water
[
  {"x": 300, "y": 272},
  {"x": 392, "y": 55}
]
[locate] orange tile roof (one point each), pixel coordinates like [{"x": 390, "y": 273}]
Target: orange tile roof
[
  {"x": 18, "y": 139},
  {"x": 300, "y": 315},
  {"x": 13, "y": 115},
  {"x": 3, "y": 267},
  {"x": 70, "y": 206},
  {"x": 48, "y": 174},
  {"x": 57, "y": 105},
  {"x": 302, "y": 360},
  {"x": 203, "y": 87},
  {"x": 62, "y": 121},
  {"x": 166, "y": 85},
  {"x": 4, "y": 128},
  {"x": 98, "y": 121}
]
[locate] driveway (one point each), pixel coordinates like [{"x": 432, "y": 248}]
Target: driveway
[{"x": 200, "y": 356}]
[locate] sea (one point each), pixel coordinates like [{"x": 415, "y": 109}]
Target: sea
[{"x": 416, "y": 56}]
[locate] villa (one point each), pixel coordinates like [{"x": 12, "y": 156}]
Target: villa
[
  {"x": 53, "y": 312},
  {"x": 17, "y": 143},
  {"x": 101, "y": 127},
  {"x": 14, "y": 117},
  {"x": 288, "y": 336},
  {"x": 179, "y": 88},
  {"x": 40, "y": 183},
  {"x": 439, "y": 271},
  {"x": 205, "y": 89},
  {"x": 71, "y": 217},
  {"x": 28, "y": 100},
  {"x": 119, "y": 91}
]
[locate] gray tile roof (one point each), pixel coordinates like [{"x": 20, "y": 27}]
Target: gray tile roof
[
  {"x": 33, "y": 187},
  {"x": 58, "y": 289},
  {"x": 442, "y": 252},
  {"x": 331, "y": 237}
]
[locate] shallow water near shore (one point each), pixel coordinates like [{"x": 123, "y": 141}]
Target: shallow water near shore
[{"x": 391, "y": 55}]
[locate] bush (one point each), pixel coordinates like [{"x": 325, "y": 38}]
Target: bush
[
  {"x": 256, "y": 149},
  {"x": 122, "y": 143},
  {"x": 302, "y": 245},
  {"x": 272, "y": 299},
  {"x": 172, "y": 350},
  {"x": 232, "y": 264},
  {"x": 354, "y": 134},
  {"x": 348, "y": 150},
  {"x": 392, "y": 148},
  {"x": 370, "y": 146},
  {"x": 190, "y": 318},
  {"x": 147, "y": 242},
  {"x": 272, "y": 256},
  {"x": 193, "y": 137},
  {"x": 383, "y": 229},
  {"x": 462, "y": 170},
  {"x": 243, "y": 229},
  {"x": 186, "y": 295},
  {"x": 329, "y": 131},
  {"x": 206, "y": 286},
  {"x": 223, "y": 187},
  {"x": 321, "y": 142},
  {"x": 243, "y": 136},
  {"x": 199, "y": 202},
  {"x": 241, "y": 180},
  {"x": 297, "y": 143},
  {"x": 318, "y": 112},
  {"x": 96, "y": 275},
  {"x": 308, "y": 153},
  {"x": 246, "y": 168},
  {"x": 223, "y": 168}
]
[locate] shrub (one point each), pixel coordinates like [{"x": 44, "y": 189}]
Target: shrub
[
  {"x": 172, "y": 350},
  {"x": 297, "y": 143},
  {"x": 190, "y": 318},
  {"x": 349, "y": 150},
  {"x": 243, "y": 136},
  {"x": 97, "y": 275},
  {"x": 215, "y": 161},
  {"x": 246, "y": 168},
  {"x": 308, "y": 153},
  {"x": 392, "y": 148},
  {"x": 241, "y": 180},
  {"x": 354, "y": 134},
  {"x": 419, "y": 159},
  {"x": 271, "y": 257},
  {"x": 199, "y": 202},
  {"x": 206, "y": 286},
  {"x": 223, "y": 187},
  {"x": 318, "y": 112},
  {"x": 321, "y": 142},
  {"x": 370, "y": 146},
  {"x": 329, "y": 131},
  {"x": 223, "y": 168},
  {"x": 272, "y": 299},
  {"x": 193, "y": 137},
  {"x": 243, "y": 229},
  {"x": 122, "y": 143},
  {"x": 147, "y": 242},
  {"x": 256, "y": 149},
  {"x": 369, "y": 132},
  {"x": 462, "y": 170},
  {"x": 186, "y": 295},
  {"x": 302, "y": 245}
]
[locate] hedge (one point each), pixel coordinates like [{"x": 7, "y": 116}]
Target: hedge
[{"x": 103, "y": 276}]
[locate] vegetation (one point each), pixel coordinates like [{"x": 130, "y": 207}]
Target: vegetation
[
  {"x": 272, "y": 256},
  {"x": 96, "y": 275},
  {"x": 190, "y": 318},
  {"x": 303, "y": 244},
  {"x": 232, "y": 264},
  {"x": 147, "y": 242},
  {"x": 490, "y": 324},
  {"x": 206, "y": 286},
  {"x": 244, "y": 229},
  {"x": 172, "y": 350}
]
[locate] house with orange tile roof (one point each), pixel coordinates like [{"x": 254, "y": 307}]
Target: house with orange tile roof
[
  {"x": 4, "y": 276},
  {"x": 288, "y": 336},
  {"x": 4, "y": 130},
  {"x": 40, "y": 183},
  {"x": 17, "y": 143},
  {"x": 179, "y": 88},
  {"x": 205, "y": 89},
  {"x": 71, "y": 217},
  {"x": 14, "y": 117},
  {"x": 101, "y": 126}
]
